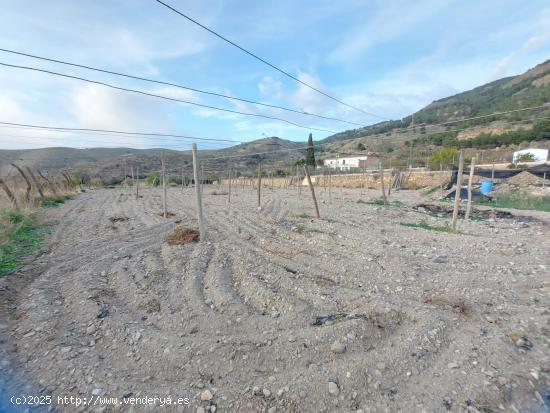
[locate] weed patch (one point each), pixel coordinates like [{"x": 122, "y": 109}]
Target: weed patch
[
  {"x": 379, "y": 201},
  {"x": 430, "y": 190},
  {"x": 54, "y": 201},
  {"x": 519, "y": 200},
  {"x": 425, "y": 225},
  {"x": 19, "y": 236}
]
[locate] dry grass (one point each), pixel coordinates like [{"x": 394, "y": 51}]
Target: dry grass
[
  {"x": 182, "y": 236},
  {"x": 118, "y": 218},
  {"x": 168, "y": 214},
  {"x": 455, "y": 303}
]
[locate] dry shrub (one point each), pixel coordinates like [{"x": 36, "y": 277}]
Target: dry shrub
[
  {"x": 453, "y": 302},
  {"x": 182, "y": 236},
  {"x": 219, "y": 193},
  {"x": 388, "y": 319},
  {"x": 118, "y": 218},
  {"x": 150, "y": 306},
  {"x": 168, "y": 214}
]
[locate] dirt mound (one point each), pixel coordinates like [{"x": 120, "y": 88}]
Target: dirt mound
[
  {"x": 524, "y": 178},
  {"x": 182, "y": 236}
]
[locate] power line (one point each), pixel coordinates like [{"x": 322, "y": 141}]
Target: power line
[
  {"x": 114, "y": 132},
  {"x": 163, "y": 97},
  {"x": 269, "y": 64},
  {"x": 160, "y": 82},
  {"x": 349, "y": 139},
  {"x": 66, "y": 129}
]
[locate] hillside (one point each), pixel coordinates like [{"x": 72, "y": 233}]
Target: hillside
[
  {"x": 108, "y": 163},
  {"x": 399, "y": 142},
  {"x": 531, "y": 88}
]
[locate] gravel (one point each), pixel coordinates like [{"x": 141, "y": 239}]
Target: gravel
[{"x": 408, "y": 317}]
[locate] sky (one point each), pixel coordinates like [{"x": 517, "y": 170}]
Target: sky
[{"x": 387, "y": 57}]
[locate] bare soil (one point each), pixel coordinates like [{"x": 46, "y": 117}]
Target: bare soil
[{"x": 276, "y": 313}]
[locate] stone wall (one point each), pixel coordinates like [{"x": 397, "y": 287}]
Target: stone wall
[{"x": 411, "y": 180}]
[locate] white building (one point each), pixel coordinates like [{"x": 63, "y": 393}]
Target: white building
[
  {"x": 539, "y": 155},
  {"x": 352, "y": 161}
]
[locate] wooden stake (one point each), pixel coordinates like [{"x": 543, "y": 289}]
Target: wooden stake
[
  {"x": 229, "y": 189},
  {"x": 458, "y": 188},
  {"x": 29, "y": 186},
  {"x": 9, "y": 194},
  {"x": 382, "y": 185},
  {"x": 259, "y": 185},
  {"x": 329, "y": 186},
  {"x": 182, "y": 179},
  {"x": 165, "y": 214},
  {"x": 470, "y": 180},
  {"x": 198, "y": 193},
  {"x": 36, "y": 183},
  {"x": 137, "y": 182},
  {"x": 312, "y": 191},
  {"x": 50, "y": 183}
]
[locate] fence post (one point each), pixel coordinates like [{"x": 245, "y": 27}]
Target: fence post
[
  {"x": 259, "y": 185},
  {"x": 229, "y": 189},
  {"x": 198, "y": 193},
  {"x": 28, "y": 193},
  {"x": 382, "y": 185},
  {"x": 458, "y": 188},
  {"x": 329, "y": 186},
  {"x": 36, "y": 183},
  {"x": 312, "y": 191},
  {"x": 137, "y": 182},
  {"x": 9, "y": 194},
  {"x": 471, "y": 178},
  {"x": 164, "y": 212},
  {"x": 51, "y": 184},
  {"x": 182, "y": 179}
]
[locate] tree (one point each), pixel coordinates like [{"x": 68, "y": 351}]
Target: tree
[
  {"x": 310, "y": 154},
  {"x": 361, "y": 147},
  {"x": 525, "y": 157},
  {"x": 442, "y": 157}
]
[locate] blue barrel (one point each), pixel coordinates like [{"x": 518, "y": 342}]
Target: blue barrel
[{"x": 486, "y": 187}]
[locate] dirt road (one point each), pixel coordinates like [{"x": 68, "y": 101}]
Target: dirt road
[{"x": 281, "y": 313}]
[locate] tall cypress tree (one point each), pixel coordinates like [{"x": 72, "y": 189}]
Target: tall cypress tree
[{"x": 310, "y": 155}]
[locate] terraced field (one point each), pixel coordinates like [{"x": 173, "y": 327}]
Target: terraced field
[{"x": 278, "y": 312}]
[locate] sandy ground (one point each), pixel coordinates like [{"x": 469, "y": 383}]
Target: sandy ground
[{"x": 420, "y": 321}]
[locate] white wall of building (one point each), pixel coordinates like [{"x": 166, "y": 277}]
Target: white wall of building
[
  {"x": 541, "y": 155},
  {"x": 344, "y": 163}
]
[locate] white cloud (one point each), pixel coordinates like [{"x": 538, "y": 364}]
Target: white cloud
[
  {"x": 270, "y": 87},
  {"x": 532, "y": 44},
  {"x": 389, "y": 21},
  {"x": 94, "y": 106}
]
